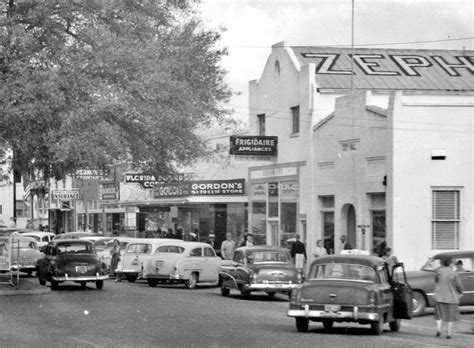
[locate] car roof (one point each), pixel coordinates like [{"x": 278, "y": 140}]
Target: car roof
[
  {"x": 23, "y": 238},
  {"x": 455, "y": 254},
  {"x": 366, "y": 260},
  {"x": 262, "y": 248},
  {"x": 156, "y": 241},
  {"x": 71, "y": 235},
  {"x": 71, "y": 241},
  {"x": 38, "y": 233}
]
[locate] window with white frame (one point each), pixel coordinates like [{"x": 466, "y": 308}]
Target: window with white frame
[
  {"x": 295, "y": 115},
  {"x": 446, "y": 218}
]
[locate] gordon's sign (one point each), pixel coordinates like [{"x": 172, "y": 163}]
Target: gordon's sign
[
  {"x": 253, "y": 145},
  {"x": 200, "y": 188}
]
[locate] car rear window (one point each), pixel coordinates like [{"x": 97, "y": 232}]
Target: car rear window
[
  {"x": 170, "y": 249},
  {"x": 75, "y": 248},
  {"x": 343, "y": 271},
  {"x": 141, "y": 248},
  {"x": 268, "y": 256}
]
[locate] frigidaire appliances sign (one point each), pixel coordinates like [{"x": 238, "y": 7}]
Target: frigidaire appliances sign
[
  {"x": 254, "y": 145},
  {"x": 200, "y": 188}
]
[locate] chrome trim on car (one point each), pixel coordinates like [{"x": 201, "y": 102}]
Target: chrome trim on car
[
  {"x": 277, "y": 286},
  {"x": 80, "y": 279},
  {"x": 344, "y": 315}
]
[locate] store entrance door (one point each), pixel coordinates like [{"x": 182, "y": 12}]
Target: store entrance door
[{"x": 274, "y": 234}]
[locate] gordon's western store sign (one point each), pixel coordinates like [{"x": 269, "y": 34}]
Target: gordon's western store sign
[{"x": 200, "y": 188}]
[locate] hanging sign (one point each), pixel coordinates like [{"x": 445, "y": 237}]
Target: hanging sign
[{"x": 256, "y": 145}]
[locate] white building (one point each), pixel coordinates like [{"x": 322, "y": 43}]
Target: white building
[{"x": 371, "y": 165}]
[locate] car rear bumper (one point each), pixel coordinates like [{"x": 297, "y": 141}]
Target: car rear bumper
[
  {"x": 277, "y": 287},
  {"x": 80, "y": 278},
  {"x": 319, "y": 315}
]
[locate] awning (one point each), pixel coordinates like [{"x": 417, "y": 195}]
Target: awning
[{"x": 217, "y": 199}]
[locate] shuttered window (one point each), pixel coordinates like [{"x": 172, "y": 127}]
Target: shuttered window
[{"x": 445, "y": 223}]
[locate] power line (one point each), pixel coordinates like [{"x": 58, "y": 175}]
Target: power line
[{"x": 359, "y": 45}]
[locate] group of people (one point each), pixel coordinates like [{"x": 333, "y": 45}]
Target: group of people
[{"x": 229, "y": 245}]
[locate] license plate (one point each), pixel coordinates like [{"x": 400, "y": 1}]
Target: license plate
[
  {"x": 332, "y": 308},
  {"x": 81, "y": 269},
  {"x": 278, "y": 285}
]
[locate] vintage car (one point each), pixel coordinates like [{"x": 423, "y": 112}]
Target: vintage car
[
  {"x": 42, "y": 238},
  {"x": 77, "y": 235},
  {"x": 352, "y": 288},
  {"x": 135, "y": 255},
  {"x": 186, "y": 262},
  {"x": 423, "y": 281},
  {"x": 25, "y": 254},
  {"x": 260, "y": 268},
  {"x": 71, "y": 260}
]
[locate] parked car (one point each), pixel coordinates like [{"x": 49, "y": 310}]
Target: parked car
[
  {"x": 42, "y": 238},
  {"x": 77, "y": 235},
  {"x": 25, "y": 254},
  {"x": 423, "y": 281},
  {"x": 136, "y": 254},
  {"x": 73, "y": 260},
  {"x": 352, "y": 288},
  {"x": 260, "y": 268},
  {"x": 186, "y": 262}
]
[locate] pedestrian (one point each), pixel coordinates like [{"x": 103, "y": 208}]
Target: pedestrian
[
  {"x": 389, "y": 258},
  {"x": 249, "y": 242},
  {"x": 298, "y": 248},
  {"x": 459, "y": 266},
  {"x": 116, "y": 255},
  {"x": 320, "y": 250},
  {"x": 228, "y": 247},
  {"x": 448, "y": 291},
  {"x": 243, "y": 241},
  {"x": 345, "y": 244}
]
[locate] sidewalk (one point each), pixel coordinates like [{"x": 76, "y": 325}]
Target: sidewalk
[{"x": 26, "y": 286}]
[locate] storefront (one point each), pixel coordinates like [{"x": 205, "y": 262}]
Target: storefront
[{"x": 274, "y": 203}]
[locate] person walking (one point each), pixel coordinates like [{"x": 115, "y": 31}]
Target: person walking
[
  {"x": 389, "y": 258},
  {"x": 448, "y": 291},
  {"x": 228, "y": 247},
  {"x": 345, "y": 244},
  {"x": 249, "y": 242},
  {"x": 298, "y": 252},
  {"x": 115, "y": 253},
  {"x": 320, "y": 250}
]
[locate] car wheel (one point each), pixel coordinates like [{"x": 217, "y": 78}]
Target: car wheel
[
  {"x": 395, "y": 325},
  {"x": 377, "y": 326},
  {"x": 29, "y": 273},
  {"x": 99, "y": 284},
  {"x": 83, "y": 285},
  {"x": 152, "y": 282},
  {"x": 328, "y": 324},
  {"x": 131, "y": 278},
  {"x": 192, "y": 281},
  {"x": 271, "y": 294},
  {"x": 224, "y": 291},
  {"x": 419, "y": 304},
  {"x": 42, "y": 281},
  {"x": 302, "y": 324},
  {"x": 54, "y": 285},
  {"x": 245, "y": 294}
]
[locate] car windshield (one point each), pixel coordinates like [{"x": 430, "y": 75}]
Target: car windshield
[
  {"x": 342, "y": 271},
  {"x": 75, "y": 248},
  {"x": 268, "y": 256},
  {"x": 170, "y": 249},
  {"x": 141, "y": 248}
]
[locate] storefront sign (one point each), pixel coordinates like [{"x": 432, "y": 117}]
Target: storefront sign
[
  {"x": 273, "y": 172},
  {"x": 150, "y": 181},
  {"x": 109, "y": 191},
  {"x": 66, "y": 194},
  {"x": 200, "y": 188},
  {"x": 91, "y": 174},
  {"x": 253, "y": 145}
]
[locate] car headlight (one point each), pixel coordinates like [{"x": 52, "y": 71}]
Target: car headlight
[
  {"x": 372, "y": 298},
  {"x": 252, "y": 276}
]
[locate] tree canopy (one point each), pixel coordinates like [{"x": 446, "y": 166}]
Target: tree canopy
[{"x": 85, "y": 84}]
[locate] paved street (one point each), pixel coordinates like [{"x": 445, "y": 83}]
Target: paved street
[{"x": 126, "y": 315}]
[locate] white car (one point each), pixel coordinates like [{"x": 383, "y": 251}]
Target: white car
[
  {"x": 42, "y": 238},
  {"x": 186, "y": 262},
  {"x": 137, "y": 252},
  {"x": 104, "y": 245}
]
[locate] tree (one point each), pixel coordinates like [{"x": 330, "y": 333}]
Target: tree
[{"x": 84, "y": 84}]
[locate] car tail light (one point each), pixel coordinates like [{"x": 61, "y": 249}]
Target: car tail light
[
  {"x": 295, "y": 295},
  {"x": 372, "y": 297},
  {"x": 252, "y": 276},
  {"x": 299, "y": 277}
]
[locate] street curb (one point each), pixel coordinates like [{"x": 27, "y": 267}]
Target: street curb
[{"x": 40, "y": 290}]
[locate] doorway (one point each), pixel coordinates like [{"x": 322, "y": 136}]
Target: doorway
[{"x": 348, "y": 224}]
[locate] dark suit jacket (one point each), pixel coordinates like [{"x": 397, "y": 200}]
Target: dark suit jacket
[{"x": 298, "y": 248}]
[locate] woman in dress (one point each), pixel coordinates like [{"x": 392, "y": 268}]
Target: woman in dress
[
  {"x": 115, "y": 253},
  {"x": 448, "y": 290},
  {"x": 320, "y": 250}
]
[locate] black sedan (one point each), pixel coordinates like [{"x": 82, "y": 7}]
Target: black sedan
[{"x": 72, "y": 260}]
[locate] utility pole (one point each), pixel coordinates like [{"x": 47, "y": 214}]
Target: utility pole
[{"x": 14, "y": 186}]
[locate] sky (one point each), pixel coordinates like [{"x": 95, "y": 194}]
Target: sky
[{"x": 253, "y": 26}]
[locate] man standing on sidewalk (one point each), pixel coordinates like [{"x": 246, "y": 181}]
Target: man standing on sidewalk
[{"x": 228, "y": 247}]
